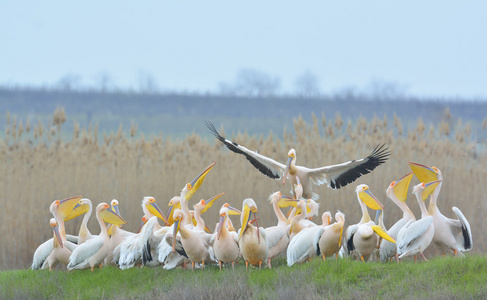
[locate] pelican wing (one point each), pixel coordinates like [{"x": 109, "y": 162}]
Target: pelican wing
[
  {"x": 266, "y": 165},
  {"x": 274, "y": 235},
  {"x": 83, "y": 252},
  {"x": 412, "y": 231},
  {"x": 41, "y": 254},
  {"x": 340, "y": 175},
  {"x": 304, "y": 245},
  {"x": 348, "y": 242},
  {"x": 466, "y": 234}
]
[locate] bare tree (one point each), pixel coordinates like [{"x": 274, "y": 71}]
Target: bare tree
[
  {"x": 307, "y": 85},
  {"x": 68, "y": 82},
  {"x": 251, "y": 83},
  {"x": 105, "y": 82},
  {"x": 147, "y": 83}
]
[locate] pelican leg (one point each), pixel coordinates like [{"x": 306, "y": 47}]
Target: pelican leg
[
  {"x": 336, "y": 256},
  {"x": 192, "y": 264},
  {"x": 220, "y": 263},
  {"x": 397, "y": 258},
  {"x": 246, "y": 265},
  {"x": 203, "y": 265},
  {"x": 92, "y": 269},
  {"x": 233, "y": 264},
  {"x": 362, "y": 258},
  {"x": 422, "y": 255},
  {"x": 260, "y": 264},
  {"x": 415, "y": 259},
  {"x": 101, "y": 265},
  {"x": 269, "y": 263},
  {"x": 324, "y": 257},
  {"x": 455, "y": 251}
]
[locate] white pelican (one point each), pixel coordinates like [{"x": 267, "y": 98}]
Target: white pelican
[
  {"x": 61, "y": 248},
  {"x": 225, "y": 242},
  {"x": 277, "y": 236},
  {"x": 305, "y": 245},
  {"x": 84, "y": 233},
  {"x": 298, "y": 221},
  {"x": 252, "y": 239},
  {"x": 417, "y": 235},
  {"x": 397, "y": 192},
  {"x": 61, "y": 210},
  {"x": 331, "y": 237},
  {"x": 451, "y": 235},
  {"x": 94, "y": 251},
  {"x": 196, "y": 243},
  {"x": 360, "y": 238},
  {"x": 131, "y": 250},
  {"x": 336, "y": 176}
]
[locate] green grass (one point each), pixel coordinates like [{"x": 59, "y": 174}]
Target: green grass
[{"x": 441, "y": 277}]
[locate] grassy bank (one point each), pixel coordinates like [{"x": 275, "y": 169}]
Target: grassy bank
[{"x": 441, "y": 277}]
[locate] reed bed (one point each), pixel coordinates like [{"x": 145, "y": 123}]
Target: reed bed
[{"x": 39, "y": 165}]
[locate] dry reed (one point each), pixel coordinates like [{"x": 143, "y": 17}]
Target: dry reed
[{"x": 39, "y": 166}]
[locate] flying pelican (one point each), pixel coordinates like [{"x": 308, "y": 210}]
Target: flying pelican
[
  {"x": 336, "y": 176},
  {"x": 252, "y": 240},
  {"x": 61, "y": 210},
  {"x": 451, "y": 235},
  {"x": 196, "y": 243},
  {"x": 277, "y": 237},
  {"x": 331, "y": 238},
  {"x": 416, "y": 236},
  {"x": 397, "y": 192},
  {"x": 305, "y": 245},
  {"x": 225, "y": 242},
  {"x": 94, "y": 251},
  {"x": 360, "y": 237}
]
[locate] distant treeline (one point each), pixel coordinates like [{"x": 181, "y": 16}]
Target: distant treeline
[{"x": 180, "y": 114}]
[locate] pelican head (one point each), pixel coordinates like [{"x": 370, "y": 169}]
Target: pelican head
[
  {"x": 424, "y": 173},
  {"x": 200, "y": 205},
  {"x": 108, "y": 215},
  {"x": 312, "y": 207},
  {"x": 291, "y": 160},
  {"x": 55, "y": 228},
  {"x": 425, "y": 189},
  {"x": 63, "y": 208},
  {"x": 224, "y": 212},
  {"x": 366, "y": 196},
  {"x": 144, "y": 220},
  {"x": 326, "y": 218},
  {"x": 178, "y": 218},
  {"x": 191, "y": 187},
  {"x": 151, "y": 205},
  {"x": 115, "y": 208},
  {"x": 174, "y": 204},
  {"x": 83, "y": 206},
  {"x": 400, "y": 188},
  {"x": 248, "y": 207},
  {"x": 340, "y": 217},
  {"x": 275, "y": 197}
]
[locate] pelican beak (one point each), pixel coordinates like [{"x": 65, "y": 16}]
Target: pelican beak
[
  {"x": 429, "y": 188},
  {"x": 142, "y": 225},
  {"x": 383, "y": 234},
  {"x": 110, "y": 229},
  {"x": 287, "y": 201},
  {"x": 340, "y": 239},
  {"x": 220, "y": 225},
  {"x": 116, "y": 209},
  {"x": 207, "y": 229},
  {"x": 289, "y": 160},
  {"x": 78, "y": 210},
  {"x": 177, "y": 223},
  {"x": 370, "y": 200},
  {"x": 401, "y": 187},
  {"x": 194, "y": 185},
  {"x": 233, "y": 211},
  {"x": 245, "y": 220},
  {"x": 193, "y": 219},
  {"x": 169, "y": 214},
  {"x": 109, "y": 216},
  {"x": 289, "y": 212},
  {"x": 377, "y": 215},
  {"x": 156, "y": 211},
  {"x": 424, "y": 173},
  {"x": 58, "y": 236},
  {"x": 257, "y": 226},
  {"x": 209, "y": 202},
  {"x": 67, "y": 205}
]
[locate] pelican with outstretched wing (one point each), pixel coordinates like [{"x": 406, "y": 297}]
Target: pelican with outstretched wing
[{"x": 335, "y": 176}]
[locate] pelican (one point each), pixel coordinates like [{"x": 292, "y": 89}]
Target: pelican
[
  {"x": 61, "y": 210},
  {"x": 397, "y": 192},
  {"x": 131, "y": 250},
  {"x": 335, "y": 176},
  {"x": 117, "y": 234},
  {"x": 360, "y": 237},
  {"x": 416, "y": 236},
  {"x": 451, "y": 235},
  {"x": 199, "y": 209},
  {"x": 94, "y": 251},
  {"x": 225, "y": 242},
  {"x": 297, "y": 222},
  {"x": 305, "y": 245},
  {"x": 196, "y": 243},
  {"x": 277, "y": 237},
  {"x": 61, "y": 248},
  {"x": 84, "y": 233},
  {"x": 331, "y": 237},
  {"x": 252, "y": 239}
]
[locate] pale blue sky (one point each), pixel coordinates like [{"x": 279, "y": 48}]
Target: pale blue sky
[{"x": 434, "y": 48}]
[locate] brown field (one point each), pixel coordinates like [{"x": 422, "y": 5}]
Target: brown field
[{"x": 38, "y": 166}]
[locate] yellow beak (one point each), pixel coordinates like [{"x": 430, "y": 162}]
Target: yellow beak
[
  {"x": 109, "y": 216},
  {"x": 177, "y": 223},
  {"x": 156, "y": 211},
  {"x": 370, "y": 200},
  {"x": 67, "y": 205},
  {"x": 429, "y": 188},
  {"x": 195, "y": 184},
  {"x": 401, "y": 187},
  {"x": 424, "y": 173},
  {"x": 245, "y": 220},
  {"x": 78, "y": 210},
  {"x": 288, "y": 165},
  {"x": 209, "y": 202},
  {"x": 383, "y": 234}
]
